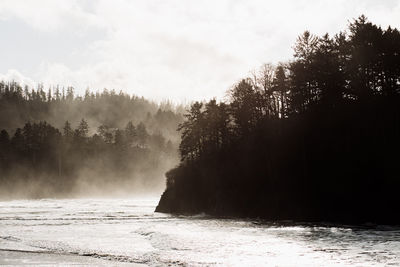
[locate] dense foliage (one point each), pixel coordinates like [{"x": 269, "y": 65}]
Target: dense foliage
[
  {"x": 120, "y": 143},
  {"x": 19, "y": 105},
  {"x": 316, "y": 138}
]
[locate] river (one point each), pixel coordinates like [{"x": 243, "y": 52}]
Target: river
[{"x": 128, "y": 232}]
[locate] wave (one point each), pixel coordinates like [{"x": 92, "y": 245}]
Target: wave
[
  {"x": 10, "y": 238},
  {"x": 26, "y": 251},
  {"x": 103, "y": 256}
]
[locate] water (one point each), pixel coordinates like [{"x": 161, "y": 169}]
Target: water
[{"x": 127, "y": 231}]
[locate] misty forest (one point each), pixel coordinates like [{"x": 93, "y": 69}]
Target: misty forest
[
  {"x": 196, "y": 153},
  {"x": 312, "y": 139},
  {"x": 56, "y": 144}
]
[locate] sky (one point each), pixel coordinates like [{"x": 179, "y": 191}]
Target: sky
[{"x": 178, "y": 50}]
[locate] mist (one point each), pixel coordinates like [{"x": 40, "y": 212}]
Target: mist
[
  {"x": 199, "y": 133},
  {"x": 54, "y": 144}
]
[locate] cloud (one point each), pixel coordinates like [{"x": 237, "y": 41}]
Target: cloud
[
  {"x": 14, "y": 75},
  {"x": 176, "y": 49},
  {"x": 50, "y": 15}
]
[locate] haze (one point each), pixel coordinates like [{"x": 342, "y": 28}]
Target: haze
[{"x": 177, "y": 50}]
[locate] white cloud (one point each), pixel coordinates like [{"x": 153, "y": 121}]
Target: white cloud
[
  {"x": 181, "y": 49},
  {"x": 50, "y": 15},
  {"x": 15, "y": 76}
]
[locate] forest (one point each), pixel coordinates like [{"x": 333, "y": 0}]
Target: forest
[
  {"x": 56, "y": 144},
  {"x": 316, "y": 138}
]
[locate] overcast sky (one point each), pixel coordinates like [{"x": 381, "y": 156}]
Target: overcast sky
[{"x": 166, "y": 49}]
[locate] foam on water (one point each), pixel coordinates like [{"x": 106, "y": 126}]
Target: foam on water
[{"x": 127, "y": 230}]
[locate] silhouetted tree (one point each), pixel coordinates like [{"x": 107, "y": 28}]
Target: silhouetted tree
[
  {"x": 245, "y": 110},
  {"x": 315, "y": 139},
  {"x": 281, "y": 87},
  {"x": 190, "y": 146}
]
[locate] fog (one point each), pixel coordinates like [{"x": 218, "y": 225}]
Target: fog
[
  {"x": 94, "y": 180},
  {"x": 54, "y": 144}
]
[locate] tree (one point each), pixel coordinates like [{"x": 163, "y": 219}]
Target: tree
[
  {"x": 49, "y": 95},
  {"x": 329, "y": 73},
  {"x": 280, "y": 83},
  {"x": 142, "y": 134},
  {"x": 4, "y": 147},
  {"x": 106, "y": 133},
  {"x": 262, "y": 81},
  {"x": 18, "y": 140},
  {"x": 70, "y": 94},
  {"x": 120, "y": 141},
  {"x": 67, "y": 130},
  {"x": 390, "y": 56},
  {"x": 58, "y": 94},
  {"x": 364, "y": 64},
  {"x": 83, "y": 129},
  {"x": 244, "y": 105},
  {"x": 191, "y": 144},
  {"x": 304, "y": 89},
  {"x": 130, "y": 133}
]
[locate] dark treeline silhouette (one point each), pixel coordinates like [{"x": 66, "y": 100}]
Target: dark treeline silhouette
[
  {"x": 100, "y": 143},
  {"x": 313, "y": 139}
]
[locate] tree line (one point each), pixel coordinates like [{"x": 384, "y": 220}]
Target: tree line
[
  {"x": 59, "y": 144},
  {"x": 20, "y": 104},
  {"x": 315, "y": 138}
]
